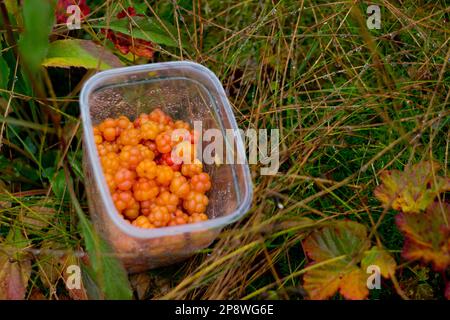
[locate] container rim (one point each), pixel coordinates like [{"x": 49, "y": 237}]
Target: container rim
[{"x": 88, "y": 136}]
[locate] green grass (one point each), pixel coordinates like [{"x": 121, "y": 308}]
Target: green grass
[{"x": 349, "y": 103}]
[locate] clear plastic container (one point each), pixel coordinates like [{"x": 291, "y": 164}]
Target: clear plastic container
[{"x": 186, "y": 91}]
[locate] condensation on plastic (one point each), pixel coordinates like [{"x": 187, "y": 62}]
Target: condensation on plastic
[{"x": 186, "y": 91}]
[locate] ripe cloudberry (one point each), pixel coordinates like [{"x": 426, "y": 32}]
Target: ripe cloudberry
[
  {"x": 150, "y": 130},
  {"x": 130, "y": 157},
  {"x": 110, "y": 162},
  {"x": 159, "y": 116},
  {"x": 168, "y": 200},
  {"x": 180, "y": 186},
  {"x": 143, "y": 222},
  {"x": 129, "y": 137},
  {"x": 197, "y": 217},
  {"x": 124, "y": 179},
  {"x": 123, "y": 200},
  {"x": 201, "y": 182},
  {"x": 195, "y": 202},
  {"x": 110, "y": 182},
  {"x": 147, "y": 169},
  {"x": 191, "y": 169},
  {"x": 164, "y": 175},
  {"x": 164, "y": 142},
  {"x": 145, "y": 189},
  {"x": 159, "y": 216},
  {"x": 132, "y": 212}
]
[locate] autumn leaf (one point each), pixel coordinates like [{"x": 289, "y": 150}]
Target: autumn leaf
[
  {"x": 413, "y": 189},
  {"x": 15, "y": 266},
  {"x": 427, "y": 236},
  {"x": 379, "y": 257},
  {"x": 343, "y": 244}
]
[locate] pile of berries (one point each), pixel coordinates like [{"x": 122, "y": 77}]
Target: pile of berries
[{"x": 149, "y": 188}]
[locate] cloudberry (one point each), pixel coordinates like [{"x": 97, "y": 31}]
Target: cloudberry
[
  {"x": 180, "y": 186},
  {"x": 191, "y": 169},
  {"x": 164, "y": 175},
  {"x": 124, "y": 123},
  {"x": 150, "y": 130},
  {"x": 146, "y": 152},
  {"x": 146, "y": 207},
  {"x": 110, "y": 162},
  {"x": 180, "y": 124},
  {"x": 124, "y": 179},
  {"x": 142, "y": 222},
  {"x": 123, "y": 200},
  {"x": 130, "y": 157},
  {"x": 132, "y": 212},
  {"x": 159, "y": 216},
  {"x": 164, "y": 142},
  {"x": 178, "y": 218},
  {"x": 110, "y": 182},
  {"x": 195, "y": 202},
  {"x": 197, "y": 217},
  {"x": 106, "y": 147},
  {"x": 147, "y": 169},
  {"x": 159, "y": 116},
  {"x": 168, "y": 200},
  {"x": 166, "y": 159},
  {"x": 140, "y": 120},
  {"x": 145, "y": 189},
  {"x": 201, "y": 182},
  {"x": 129, "y": 137}
]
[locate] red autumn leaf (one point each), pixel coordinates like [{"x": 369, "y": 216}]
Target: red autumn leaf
[
  {"x": 336, "y": 249},
  {"x": 61, "y": 9},
  {"x": 125, "y": 43},
  {"x": 427, "y": 236},
  {"x": 413, "y": 189}
]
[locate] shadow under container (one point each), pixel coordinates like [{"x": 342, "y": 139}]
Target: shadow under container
[{"x": 186, "y": 91}]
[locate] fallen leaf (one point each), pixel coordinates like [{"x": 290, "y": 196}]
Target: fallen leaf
[
  {"x": 37, "y": 217},
  {"x": 381, "y": 258},
  {"x": 427, "y": 236},
  {"x": 346, "y": 240},
  {"x": 413, "y": 189},
  {"x": 15, "y": 266}
]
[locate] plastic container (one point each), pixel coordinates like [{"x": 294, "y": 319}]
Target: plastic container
[{"x": 186, "y": 91}]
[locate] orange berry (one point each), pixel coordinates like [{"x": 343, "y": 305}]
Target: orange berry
[
  {"x": 150, "y": 130},
  {"x": 145, "y": 189},
  {"x": 124, "y": 123},
  {"x": 146, "y": 207},
  {"x": 130, "y": 157},
  {"x": 110, "y": 162},
  {"x": 195, "y": 202},
  {"x": 110, "y": 182},
  {"x": 180, "y": 124},
  {"x": 124, "y": 179},
  {"x": 109, "y": 134},
  {"x": 159, "y": 116},
  {"x": 159, "y": 216},
  {"x": 146, "y": 152},
  {"x": 197, "y": 217},
  {"x": 123, "y": 200},
  {"x": 132, "y": 212},
  {"x": 129, "y": 137},
  {"x": 180, "y": 186},
  {"x": 164, "y": 175},
  {"x": 168, "y": 200},
  {"x": 164, "y": 142},
  {"x": 191, "y": 169},
  {"x": 147, "y": 169},
  {"x": 142, "y": 222},
  {"x": 201, "y": 182}
]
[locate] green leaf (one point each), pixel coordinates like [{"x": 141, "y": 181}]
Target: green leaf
[
  {"x": 336, "y": 250},
  {"x": 144, "y": 28},
  {"x": 80, "y": 53},
  {"x": 59, "y": 185},
  {"x": 381, "y": 258},
  {"x": 38, "y": 19},
  {"x": 107, "y": 271},
  {"x": 4, "y": 73}
]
